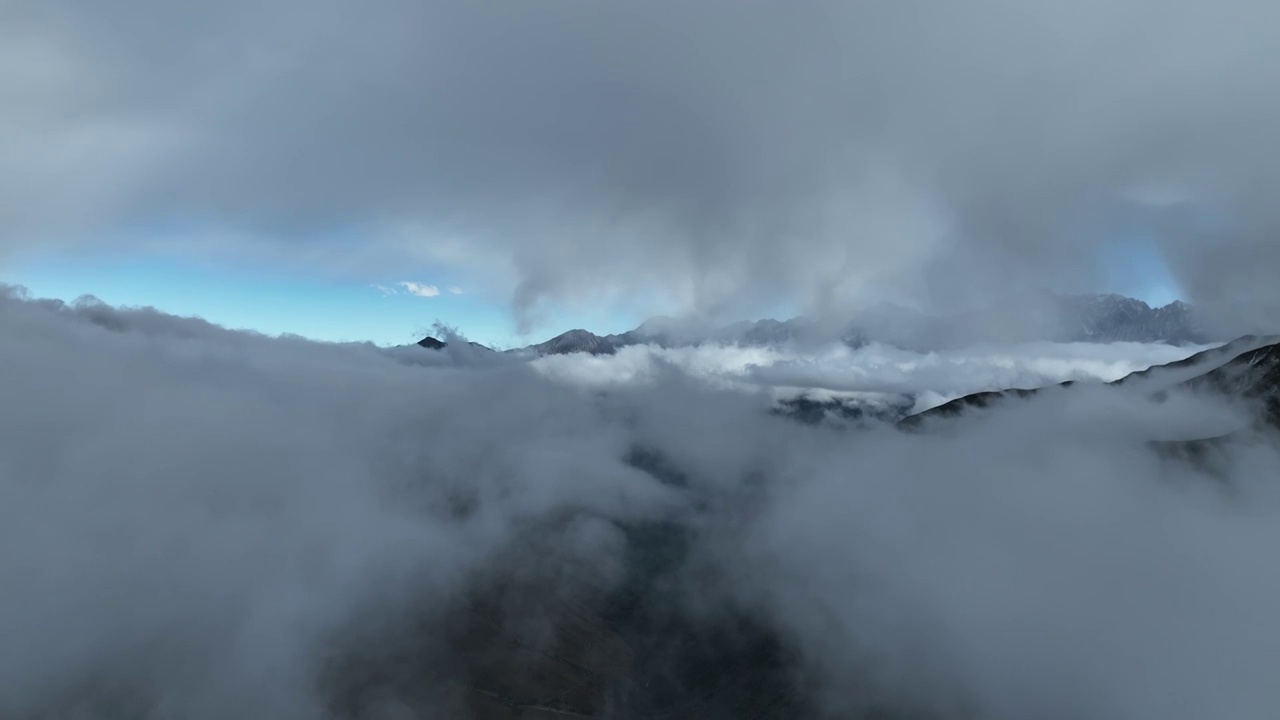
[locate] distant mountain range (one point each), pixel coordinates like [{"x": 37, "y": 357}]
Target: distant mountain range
[{"x": 1039, "y": 317}]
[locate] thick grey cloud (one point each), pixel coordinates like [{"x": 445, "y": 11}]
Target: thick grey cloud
[
  {"x": 194, "y": 519},
  {"x": 719, "y": 153},
  {"x": 194, "y": 512}
]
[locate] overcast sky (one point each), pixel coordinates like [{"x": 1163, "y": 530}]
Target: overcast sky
[{"x": 717, "y": 156}]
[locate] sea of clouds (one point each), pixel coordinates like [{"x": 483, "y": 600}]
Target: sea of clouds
[
  {"x": 195, "y": 519},
  {"x": 929, "y": 379}
]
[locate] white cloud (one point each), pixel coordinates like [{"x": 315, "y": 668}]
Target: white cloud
[
  {"x": 419, "y": 289},
  {"x": 931, "y": 378},
  {"x": 196, "y": 519},
  {"x": 455, "y": 290}
]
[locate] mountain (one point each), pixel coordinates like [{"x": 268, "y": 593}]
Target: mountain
[
  {"x": 1045, "y": 317},
  {"x": 1036, "y": 317},
  {"x": 431, "y": 343},
  {"x": 1115, "y": 318},
  {"x": 1247, "y": 368},
  {"x": 1253, "y": 376},
  {"x": 579, "y": 341}
]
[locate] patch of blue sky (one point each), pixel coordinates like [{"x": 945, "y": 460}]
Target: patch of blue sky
[
  {"x": 1131, "y": 255},
  {"x": 388, "y": 311},
  {"x": 270, "y": 302}
]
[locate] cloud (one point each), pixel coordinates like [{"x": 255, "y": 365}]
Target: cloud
[
  {"x": 243, "y": 563},
  {"x": 205, "y": 523},
  {"x": 455, "y": 290},
  {"x": 929, "y": 379},
  {"x": 411, "y": 288},
  {"x": 418, "y": 289},
  {"x": 821, "y": 154}
]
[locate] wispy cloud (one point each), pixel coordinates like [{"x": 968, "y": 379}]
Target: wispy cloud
[
  {"x": 419, "y": 289},
  {"x": 413, "y": 288},
  {"x": 455, "y": 290}
]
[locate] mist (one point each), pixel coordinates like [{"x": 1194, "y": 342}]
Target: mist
[{"x": 204, "y": 523}]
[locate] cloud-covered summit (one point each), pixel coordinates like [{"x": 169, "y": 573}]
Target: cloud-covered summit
[{"x": 717, "y": 154}]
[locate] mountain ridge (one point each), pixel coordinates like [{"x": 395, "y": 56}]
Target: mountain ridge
[
  {"x": 1100, "y": 318},
  {"x": 1247, "y": 368}
]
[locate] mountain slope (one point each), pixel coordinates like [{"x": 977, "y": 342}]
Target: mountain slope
[
  {"x": 577, "y": 341},
  {"x": 1253, "y": 376},
  {"x": 1247, "y": 368}
]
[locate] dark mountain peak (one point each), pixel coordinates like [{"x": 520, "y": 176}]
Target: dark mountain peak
[{"x": 431, "y": 343}]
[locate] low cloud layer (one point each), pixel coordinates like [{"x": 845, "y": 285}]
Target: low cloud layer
[
  {"x": 929, "y": 379},
  {"x": 197, "y": 518},
  {"x": 724, "y": 156}
]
